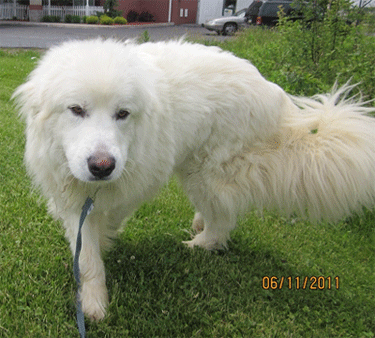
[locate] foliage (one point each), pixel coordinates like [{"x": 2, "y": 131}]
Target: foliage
[
  {"x": 146, "y": 17},
  {"x": 106, "y": 20},
  {"x": 328, "y": 44},
  {"x": 51, "y": 18},
  {"x": 145, "y": 37},
  {"x": 119, "y": 20},
  {"x": 99, "y": 14},
  {"x": 72, "y": 18},
  {"x": 109, "y": 8},
  {"x": 305, "y": 60},
  {"x": 132, "y": 16},
  {"x": 92, "y": 20}
]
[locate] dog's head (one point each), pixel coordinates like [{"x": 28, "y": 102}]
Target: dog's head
[{"x": 87, "y": 107}]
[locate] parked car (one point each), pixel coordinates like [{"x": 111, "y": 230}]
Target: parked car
[
  {"x": 268, "y": 12},
  {"x": 228, "y": 25},
  {"x": 252, "y": 11}
]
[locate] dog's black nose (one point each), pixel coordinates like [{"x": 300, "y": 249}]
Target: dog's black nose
[{"x": 101, "y": 165}]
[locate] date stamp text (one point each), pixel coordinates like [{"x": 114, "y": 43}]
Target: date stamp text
[{"x": 301, "y": 283}]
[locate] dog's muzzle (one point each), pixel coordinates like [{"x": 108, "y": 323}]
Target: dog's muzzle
[{"x": 101, "y": 165}]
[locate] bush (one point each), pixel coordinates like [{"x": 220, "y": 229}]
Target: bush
[
  {"x": 76, "y": 19},
  {"x": 106, "y": 20},
  {"x": 303, "y": 62},
  {"x": 72, "y": 18},
  {"x": 119, "y": 20},
  {"x": 132, "y": 16},
  {"x": 109, "y": 8},
  {"x": 146, "y": 17},
  {"x": 51, "y": 18},
  {"x": 320, "y": 49},
  {"x": 68, "y": 18},
  {"x": 92, "y": 20},
  {"x": 114, "y": 14}
]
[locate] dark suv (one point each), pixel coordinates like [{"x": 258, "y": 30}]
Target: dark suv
[
  {"x": 252, "y": 12},
  {"x": 267, "y": 14}
]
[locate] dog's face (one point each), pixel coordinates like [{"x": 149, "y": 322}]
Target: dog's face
[
  {"x": 94, "y": 102},
  {"x": 98, "y": 120},
  {"x": 96, "y": 134}
]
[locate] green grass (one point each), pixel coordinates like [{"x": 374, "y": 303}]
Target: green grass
[{"x": 158, "y": 287}]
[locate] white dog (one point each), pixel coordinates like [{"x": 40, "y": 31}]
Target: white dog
[{"x": 116, "y": 120}]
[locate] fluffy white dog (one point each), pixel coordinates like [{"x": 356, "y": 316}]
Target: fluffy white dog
[{"x": 116, "y": 120}]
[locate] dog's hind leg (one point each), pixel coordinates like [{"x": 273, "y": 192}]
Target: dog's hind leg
[
  {"x": 198, "y": 223},
  {"x": 213, "y": 221},
  {"x": 214, "y": 201},
  {"x": 217, "y": 224}
]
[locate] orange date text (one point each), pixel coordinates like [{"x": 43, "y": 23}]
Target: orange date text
[{"x": 301, "y": 283}]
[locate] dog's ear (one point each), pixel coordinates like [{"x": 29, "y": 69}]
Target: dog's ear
[
  {"x": 27, "y": 98},
  {"x": 32, "y": 99}
]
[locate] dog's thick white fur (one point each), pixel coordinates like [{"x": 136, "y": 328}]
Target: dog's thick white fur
[{"x": 116, "y": 120}]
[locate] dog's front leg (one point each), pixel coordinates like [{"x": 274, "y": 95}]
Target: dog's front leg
[{"x": 93, "y": 295}]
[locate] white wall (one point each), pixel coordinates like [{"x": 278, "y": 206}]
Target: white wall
[{"x": 209, "y": 9}]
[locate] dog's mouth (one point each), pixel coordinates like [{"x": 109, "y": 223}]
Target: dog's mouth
[{"x": 96, "y": 179}]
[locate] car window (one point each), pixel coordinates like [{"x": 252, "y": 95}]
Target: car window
[{"x": 241, "y": 13}]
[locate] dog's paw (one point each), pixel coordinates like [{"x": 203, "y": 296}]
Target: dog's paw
[
  {"x": 94, "y": 300},
  {"x": 209, "y": 243}
]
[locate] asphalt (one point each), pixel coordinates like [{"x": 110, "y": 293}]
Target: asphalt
[{"x": 15, "y": 34}]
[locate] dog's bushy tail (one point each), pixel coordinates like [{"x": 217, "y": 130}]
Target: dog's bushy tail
[{"x": 322, "y": 163}]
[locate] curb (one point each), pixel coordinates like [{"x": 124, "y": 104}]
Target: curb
[{"x": 82, "y": 25}]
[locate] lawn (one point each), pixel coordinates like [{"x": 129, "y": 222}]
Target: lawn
[{"x": 279, "y": 277}]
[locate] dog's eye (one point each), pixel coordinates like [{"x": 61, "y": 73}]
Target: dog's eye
[
  {"x": 77, "y": 110},
  {"x": 122, "y": 114}
]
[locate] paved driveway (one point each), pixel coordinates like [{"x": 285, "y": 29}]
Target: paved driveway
[{"x": 26, "y": 35}]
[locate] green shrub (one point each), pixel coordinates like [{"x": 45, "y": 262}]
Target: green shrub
[
  {"x": 51, "y": 18},
  {"x": 46, "y": 18},
  {"x": 68, "y": 18},
  {"x": 327, "y": 45},
  {"x": 120, "y": 20},
  {"x": 72, "y": 18},
  {"x": 109, "y": 8},
  {"x": 145, "y": 37},
  {"x": 106, "y": 20},
  {"x": 76, "y": 19},
  {"x": 92, "y": 20}
]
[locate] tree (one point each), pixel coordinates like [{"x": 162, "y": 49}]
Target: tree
[{"x": 109, "y": 8}]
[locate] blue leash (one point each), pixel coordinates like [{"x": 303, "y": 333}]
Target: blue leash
[{"x": 86, "y": 209}]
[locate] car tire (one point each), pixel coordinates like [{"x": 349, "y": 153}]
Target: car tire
[{"x": 229, "y": 29}]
